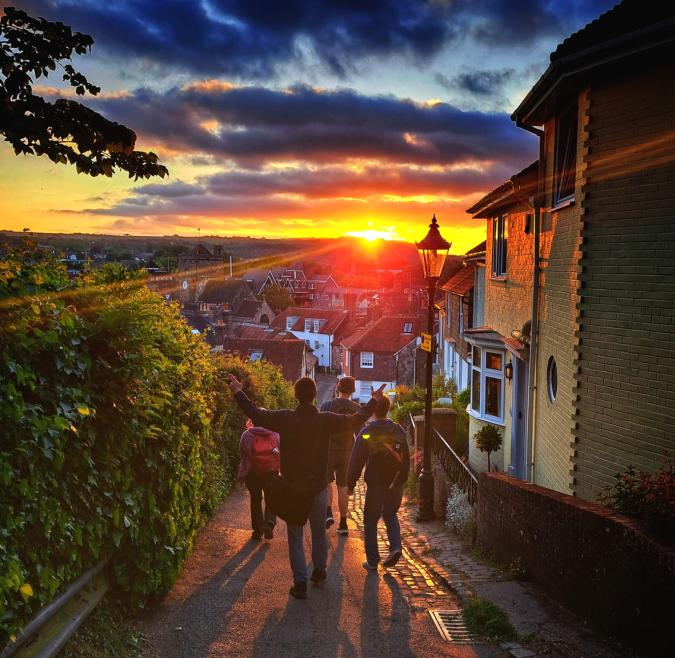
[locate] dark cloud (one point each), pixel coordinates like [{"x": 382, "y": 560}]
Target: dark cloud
[
  {"x": 253, "y": 125},
  {"x": 252, "y": 38},
  {"x": 478, "y": 83}
]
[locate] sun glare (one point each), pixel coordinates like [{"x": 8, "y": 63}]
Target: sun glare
[{"x": 370, "y": 235}]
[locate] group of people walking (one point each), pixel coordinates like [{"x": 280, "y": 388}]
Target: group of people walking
[{"x": 311, "y": 448}]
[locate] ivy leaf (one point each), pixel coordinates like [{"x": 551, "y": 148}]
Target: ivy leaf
[
  {"x": 26, "y": 591},
  {"x": 84, "y": 411}
]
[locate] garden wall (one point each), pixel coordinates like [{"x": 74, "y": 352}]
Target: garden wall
[{"x": 599, "y": 564}]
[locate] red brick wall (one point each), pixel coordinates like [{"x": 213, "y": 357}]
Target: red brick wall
[{"x": 598, "y": 564}]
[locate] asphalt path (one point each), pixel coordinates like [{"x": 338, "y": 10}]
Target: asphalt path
[{"x": 232, "y": 600}]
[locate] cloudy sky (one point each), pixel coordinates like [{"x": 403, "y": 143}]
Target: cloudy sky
[{"x": 298, "y": 117}]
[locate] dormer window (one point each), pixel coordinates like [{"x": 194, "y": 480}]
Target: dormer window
[
  {"x": 565, "y": 158},
  {"x": 316, "y": 326},
  {"x": 290, "y": 321},
  {"x": 308, "y": 325}
]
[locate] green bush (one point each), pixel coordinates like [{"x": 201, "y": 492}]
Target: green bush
[{"x": 119, "y": 438}]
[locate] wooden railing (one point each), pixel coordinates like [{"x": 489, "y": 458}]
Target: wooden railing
[{"x": 454, "y": 467}]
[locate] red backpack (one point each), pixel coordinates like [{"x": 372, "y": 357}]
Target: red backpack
[{"x": 264, "y": 454}]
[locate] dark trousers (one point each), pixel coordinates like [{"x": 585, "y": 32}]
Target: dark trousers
[
  {"x": 256, "y": 488},
  {"x": 381, "y": 501}
]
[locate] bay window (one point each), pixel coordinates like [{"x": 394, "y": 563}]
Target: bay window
[{"x": 487, "y": 384}]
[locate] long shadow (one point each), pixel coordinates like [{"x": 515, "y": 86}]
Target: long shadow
[
  {"x": 205, "y": 613},
  {"x": 305, "y": 627},
  {"x": 376, "y": 640}
]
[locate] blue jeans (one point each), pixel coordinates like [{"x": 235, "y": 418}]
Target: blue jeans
[
  {"x": 381, "y": 501},
  {"x": 296, "y": 549}
]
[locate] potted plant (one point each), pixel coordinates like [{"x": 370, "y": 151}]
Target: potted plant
[{"x": 488, "y": 439}]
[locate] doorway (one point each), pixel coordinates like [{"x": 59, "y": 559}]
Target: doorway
[{"x": 518, "y": 466}]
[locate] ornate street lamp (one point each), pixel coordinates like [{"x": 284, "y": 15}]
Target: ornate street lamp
[{"x": 433, "y": 251}]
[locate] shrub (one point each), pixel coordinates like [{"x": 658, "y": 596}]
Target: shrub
[
  {"x": 488, "y": 439},
  {"x": 648, "y": 496},
  {"x": 115, "y": 428},
  {"x": 487, "y": 620},
  {"x": 460, "y": 516}
]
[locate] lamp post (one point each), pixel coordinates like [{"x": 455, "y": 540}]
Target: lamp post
[{"x": 433, "y": 250}]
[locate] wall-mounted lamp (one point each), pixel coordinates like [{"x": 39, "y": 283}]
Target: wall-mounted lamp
[{"x": 508, "y": 370}]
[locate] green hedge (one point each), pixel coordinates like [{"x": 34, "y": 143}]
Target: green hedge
[{"x": 118, "y": 434}]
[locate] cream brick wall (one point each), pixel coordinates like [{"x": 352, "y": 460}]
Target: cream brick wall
[
  {"x": 508, "y": 302},
  {"x": 626, "y": 352},
  {"x": 559, "y": 252}
]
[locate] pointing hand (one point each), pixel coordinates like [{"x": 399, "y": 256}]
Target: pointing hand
[
  {"x": 379, "y": 393},
  {"x": 235, "y": 384}
]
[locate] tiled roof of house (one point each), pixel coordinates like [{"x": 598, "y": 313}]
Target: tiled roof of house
[
  {"x": 462, "y": 283},
  {"x": 384, "y": 335},
  {"x": 525, "y": 182},
  {"x": 248, "y": 308},
  {"x": 200, "y": 251},
  {"x": 332, "y": 319},
  {"x": 287, "y": 354},
  {"x": 627, "y": 17},
  {"x": 225, "y": 291},
  {"x": 630, "y": 28},
  {"x": 478, "y": 250}
]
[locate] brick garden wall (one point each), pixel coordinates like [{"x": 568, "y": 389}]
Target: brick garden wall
[
  {"x": 626, "y": 352},
  {"x": 598, "y": 564}
]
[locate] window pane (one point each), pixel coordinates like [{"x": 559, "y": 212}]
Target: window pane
[
  {"x": 493, "y": 394},
  {"x": 493, "y": 360},
  {"x": 475, "y": 390},
  {"x": 565, "y": 155},
  {"x": 476, "y": 356}
]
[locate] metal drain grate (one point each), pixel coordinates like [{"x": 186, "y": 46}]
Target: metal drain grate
[{"x": 450, "y": 624}]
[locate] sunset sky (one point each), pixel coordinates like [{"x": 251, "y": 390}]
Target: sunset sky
[{"x": 299, "y": 117}]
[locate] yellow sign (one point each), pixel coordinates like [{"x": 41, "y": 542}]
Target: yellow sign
[{"x": 426, "y": 342}]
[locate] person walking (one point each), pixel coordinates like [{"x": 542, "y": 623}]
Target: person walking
[
  {"x": 259, "y": 456},
  {"x": 341, "y": 444},
  {"x": 382, "y": 447},
  {"x": 305, "y": 435}
]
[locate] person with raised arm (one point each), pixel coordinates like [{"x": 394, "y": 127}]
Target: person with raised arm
[{"x": 305, "y": 437}]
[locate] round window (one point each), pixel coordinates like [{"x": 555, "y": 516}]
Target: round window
[{"x": 552, "y": 378}]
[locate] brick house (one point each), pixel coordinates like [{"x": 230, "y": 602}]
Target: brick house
[
  {"x": 321, "y": 330},
  {"x": 456, "y": 315},
  {"x": 601, "y": 361},
  {"x": 498, "y": 363},
  {"x": 291, "y": 354},
  {"x": 384, "y": 352}
]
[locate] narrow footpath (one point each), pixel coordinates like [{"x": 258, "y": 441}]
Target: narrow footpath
[{"x": 232, "y": 600}]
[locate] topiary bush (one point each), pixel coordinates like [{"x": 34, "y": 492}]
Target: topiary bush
[
  {"x": 488, "y": 439},
  {"x": 119, "y": 438}
]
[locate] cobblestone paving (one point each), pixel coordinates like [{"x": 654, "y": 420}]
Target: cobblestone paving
[
  {"x": 425, "y": 589},
  {"x": 444, "y": 553}
]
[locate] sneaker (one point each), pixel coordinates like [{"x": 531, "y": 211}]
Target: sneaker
[
  {"x": 369, "y": 567},
  {"x": 318, "y": 576},
  {"x": 299, "y": 590},
  {"x": 392, "y": 558},
  {"x": 329, "y": 518},
  {"x": 268, "y": 533},
  {"x": 342, "y": 528},
  {"x": 256, "y": 535}
]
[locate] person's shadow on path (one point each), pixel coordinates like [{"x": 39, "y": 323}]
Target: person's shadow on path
[
  {"x": 204, "y": 615},
  {"x": 310, "y": 625},
  {"x": 394, "y": 641}
]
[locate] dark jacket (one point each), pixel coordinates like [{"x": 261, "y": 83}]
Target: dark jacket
[
  {"x": 305, "y": 435},
  {"x": 341, "y": 440},
  {"x": 382, "y": 446}
]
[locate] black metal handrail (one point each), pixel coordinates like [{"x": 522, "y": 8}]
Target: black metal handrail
[{"x": 454, "y": 467}]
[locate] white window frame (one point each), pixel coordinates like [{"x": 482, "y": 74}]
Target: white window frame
[
  {"x": 256, "y": 355},
  {"x": 409, "y": 329},
  {"x": 316, "y": 326},
  {"x": 368, "y": 361},
  {"x": 485, "y": 372},
  {"x": 500, "y": 238},
  {"x": 365, "y": 388},
  {"x": 565, "y": 153},
  {"x": 290, "y": 322},
  {"x": 308, "y": 325}
]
